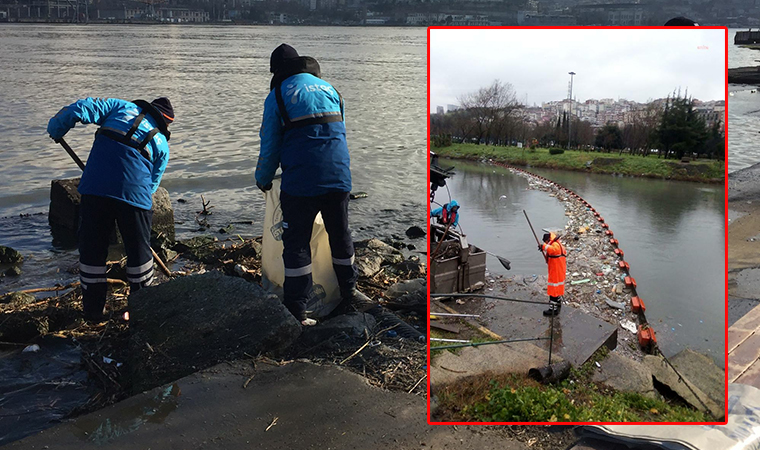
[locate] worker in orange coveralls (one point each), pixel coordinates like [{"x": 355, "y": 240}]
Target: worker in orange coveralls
[{"x": 555, "y": 254}]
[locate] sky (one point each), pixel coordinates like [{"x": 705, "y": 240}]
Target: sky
[{"x": 632, "y": 64}]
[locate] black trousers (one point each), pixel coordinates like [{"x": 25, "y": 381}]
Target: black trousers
[
  {"x": 96, "y": 224},
  {"x": 298, "y": 215}
]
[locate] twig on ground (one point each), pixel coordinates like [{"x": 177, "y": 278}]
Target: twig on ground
[
  {"x": 417, "y": 384},
  {"x": 355, "y": 353}
]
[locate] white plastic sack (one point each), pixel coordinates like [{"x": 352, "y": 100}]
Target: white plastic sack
[
  {"x": 742, "y": 432},
  {"x": 325, "y": 294}
]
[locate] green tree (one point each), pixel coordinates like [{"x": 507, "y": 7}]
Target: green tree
[
  {"x": 681, "y": 131},
  {"x": 609, "y": 137}
]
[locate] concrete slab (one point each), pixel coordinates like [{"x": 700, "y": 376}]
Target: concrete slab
[
  {"x": 625, "y": 374},
  {"x": 518, "y": 357},
  {"x": 702, "y": 371},
  {"x": 577, "y": 335},
  {"x": 664, "y": 374},
  {"x": 744, "y": 349},
  {"x": 318, "y": 407}
]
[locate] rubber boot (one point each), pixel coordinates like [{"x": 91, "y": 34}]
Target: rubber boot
[
  {"x": 354, "y": 298},
  {"x": 553, "y": 309},
  {"x": 95, "y": 316}
]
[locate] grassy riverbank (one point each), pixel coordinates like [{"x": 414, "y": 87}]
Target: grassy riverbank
[
  {"x": 517, "y": 398},
  {"x": 703, "y": 171}
]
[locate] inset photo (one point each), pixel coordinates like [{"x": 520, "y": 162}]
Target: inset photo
[{"x": 577, "y": 226}]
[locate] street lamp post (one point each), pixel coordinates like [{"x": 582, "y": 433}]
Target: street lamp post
[{"x": 570, "y": 122}]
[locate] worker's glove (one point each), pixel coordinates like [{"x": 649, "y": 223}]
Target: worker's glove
[
  {"x": 540, "y": 248},
  {"x": 264, "y": 188}
]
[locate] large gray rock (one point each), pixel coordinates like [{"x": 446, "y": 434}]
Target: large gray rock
[
  {"x": 9, "y": 255},
  {"x": 191, "y": 323},
  {"x": 406, "y": 287},
  {"x": 64, "y": 209},
  {"x": 372, "y": 254},
  {"x": 624, "y": 374}
]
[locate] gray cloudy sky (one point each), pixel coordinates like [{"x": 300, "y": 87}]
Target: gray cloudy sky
[{"x": 609, "y": 63}]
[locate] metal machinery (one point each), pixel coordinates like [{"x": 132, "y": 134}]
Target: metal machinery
[{"x": 455, "y": 265}]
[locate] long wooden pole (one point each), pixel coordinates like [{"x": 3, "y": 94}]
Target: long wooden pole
[
  {"x": 546, "y": 258},
  {"x": 79, "y": 162}
]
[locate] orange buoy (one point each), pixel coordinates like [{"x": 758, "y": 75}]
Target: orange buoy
[
  {"x": 647, "y": 339},
  {"x": 624, "y": 265},
  {"x": 637, "y": 305},
  {"x": 609, "y": 232},
  {"x": 604, "y": 225},
  {"x": 596, "y": 214},
  {"x": 619, "y": 252},
  {"x": 630, "y": 281},
  {"x": 600, "y": 219},
  {"x": 614, "y": 241}
]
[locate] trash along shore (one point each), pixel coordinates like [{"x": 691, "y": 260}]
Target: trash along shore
[
  {"x": 630, "y": 376},
  {"x": 208, "y": 310}
]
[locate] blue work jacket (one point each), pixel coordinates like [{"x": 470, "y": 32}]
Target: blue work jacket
[
  {"x": 114, "y": 169},
  {"x": 314, "y": 157}
]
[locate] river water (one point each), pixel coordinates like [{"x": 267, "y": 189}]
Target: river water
[
  {"x": 743, "y": 110},
  {"x": 217, "y": 78},
  {"x": 672, "y": 234}
]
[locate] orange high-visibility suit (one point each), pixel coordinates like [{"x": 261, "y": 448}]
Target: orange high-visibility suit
[{"x": 556, "y": 254}]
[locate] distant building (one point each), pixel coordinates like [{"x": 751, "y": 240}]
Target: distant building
[
  {"x": 278, "y": 18},
  {"x": 466, "y": 20},
  {"x": 376, "y": 20},
  {"x": 530, "y": 18},
  {"x": 711, "y": 114},
  {"x": 182, "y": 15},
  {"x": 177, "y": 15},
  {"x": 439, "y": 110},
  {"x": 450, "y": 108},
  {"x": 613, "y": 14}
]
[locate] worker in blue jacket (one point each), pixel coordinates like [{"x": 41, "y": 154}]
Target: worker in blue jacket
[
  {"x": 304, "y": 132},
  {"x": 124, "y": 169},
  {"x": 447, "y": 214}
]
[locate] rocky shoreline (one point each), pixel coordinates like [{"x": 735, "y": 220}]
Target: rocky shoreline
[{"x": 199, "y": 318}]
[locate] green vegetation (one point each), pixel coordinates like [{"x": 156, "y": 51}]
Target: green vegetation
[
  {"x": 515, "y": 398},
  {"x": 706, "y": 171}
]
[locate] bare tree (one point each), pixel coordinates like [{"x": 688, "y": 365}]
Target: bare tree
[
  {"x": 638, "y": 134},
  {"x": 490, "y": 109}
]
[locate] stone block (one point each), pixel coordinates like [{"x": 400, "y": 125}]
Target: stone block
[
  {"x": 194, "y": 322},
  {"x": 64, "y": 211}
]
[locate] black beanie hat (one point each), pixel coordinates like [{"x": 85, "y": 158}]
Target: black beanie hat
[
  {"x": 163, "y": 105},
  {"x": 280, "y": 55},
  {"x": 680, "y": 22},
  {"x": 547, "y": 236}
]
